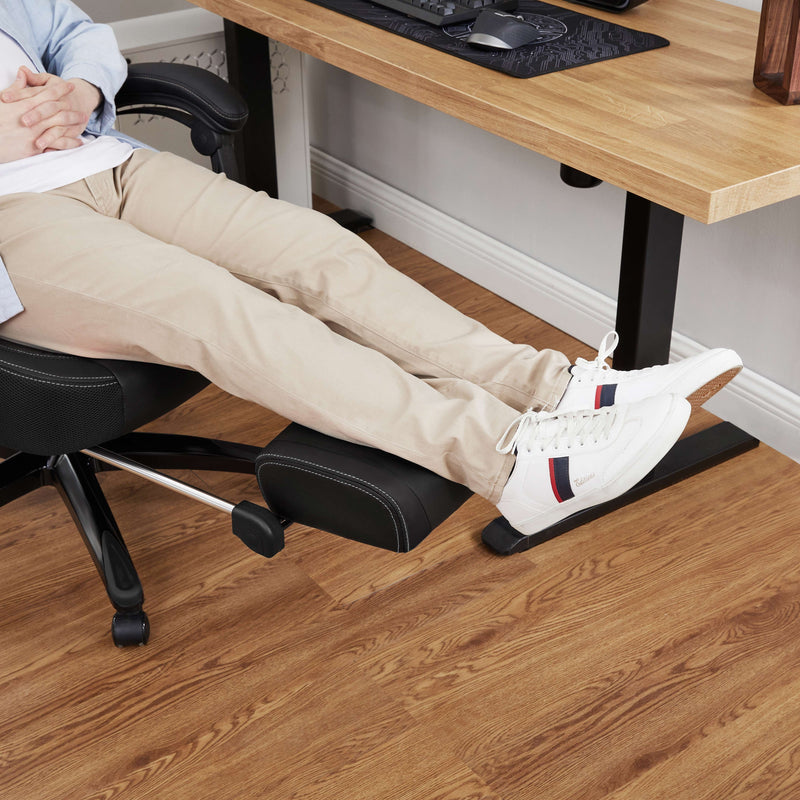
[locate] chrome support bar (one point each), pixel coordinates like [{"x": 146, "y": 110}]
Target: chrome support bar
[{"x": 101, "y": 454}]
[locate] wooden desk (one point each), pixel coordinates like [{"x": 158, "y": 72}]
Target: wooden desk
[
  {"x": 682, "y": 129},
  {"x": 682, "y": 126}
]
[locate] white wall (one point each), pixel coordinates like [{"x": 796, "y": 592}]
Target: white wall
[{"x": 113, "y": 10}]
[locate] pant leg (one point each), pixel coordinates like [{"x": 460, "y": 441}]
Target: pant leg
[
  {"x": 95, "y": 285},
  {"x": 305, "y": 259}
]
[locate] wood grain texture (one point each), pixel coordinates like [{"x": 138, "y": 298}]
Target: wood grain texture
[
  {"x": 682, "y": 126},
  {"x": 654, "y": 653}
]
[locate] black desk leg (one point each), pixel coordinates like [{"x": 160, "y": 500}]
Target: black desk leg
[
  {"x": 651, "y": 246},
  {"x": 648, "y": 283},
  {"x": 249, "y": 72}
]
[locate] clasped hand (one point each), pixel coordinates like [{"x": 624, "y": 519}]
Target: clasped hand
[{"x": 41, "y": 112}]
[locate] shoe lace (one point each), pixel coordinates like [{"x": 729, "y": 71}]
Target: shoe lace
[
  {"x": 548, "y": 429},
  {"x": 606, "y": 350}
]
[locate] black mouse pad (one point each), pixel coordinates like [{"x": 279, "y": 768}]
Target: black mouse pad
[{"x": 572, "y": 39}]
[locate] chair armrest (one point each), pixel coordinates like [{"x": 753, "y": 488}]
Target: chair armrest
[
  {"x": 213, "y": 110},
  {"x": 199, "y": 93}
]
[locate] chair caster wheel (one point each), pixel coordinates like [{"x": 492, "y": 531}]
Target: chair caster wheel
[{"x": 130, "y": 629}]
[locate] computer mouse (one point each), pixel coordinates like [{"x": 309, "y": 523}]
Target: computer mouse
[{"x": 499, "y": 30}]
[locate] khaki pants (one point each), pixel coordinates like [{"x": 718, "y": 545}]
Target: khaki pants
[{"x": 161, "y": 260}]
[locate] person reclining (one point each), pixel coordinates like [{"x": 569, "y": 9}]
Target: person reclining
[{"x": 115, "y": 251}]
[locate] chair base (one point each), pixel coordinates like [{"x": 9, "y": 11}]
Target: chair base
[
  {"x": 74, "y": 475},
  {"x": 350, "y": 490}
]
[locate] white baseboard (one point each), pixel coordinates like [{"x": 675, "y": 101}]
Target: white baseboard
[{"x": 758, "y": 405}]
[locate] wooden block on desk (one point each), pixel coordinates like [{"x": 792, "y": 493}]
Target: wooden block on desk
[{"x": 777, "y": 68}]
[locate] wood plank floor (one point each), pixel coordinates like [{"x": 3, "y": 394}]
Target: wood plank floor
[{"x": 652, "y": 654}]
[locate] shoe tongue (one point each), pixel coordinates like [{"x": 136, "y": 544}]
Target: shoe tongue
[
  {"x": 582, "y": 366},
  {"x": 545, "y": 430},
  {"x": 550, "y": 427},
  {"x": 570, "y": 428}
]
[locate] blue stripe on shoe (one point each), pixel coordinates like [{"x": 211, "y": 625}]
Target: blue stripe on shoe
[
  {"x": 605, "y": 395},
  {"x": 559, "y": 479}
]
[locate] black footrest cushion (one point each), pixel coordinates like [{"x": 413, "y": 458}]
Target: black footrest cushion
[{"x": 352, "y": 490}]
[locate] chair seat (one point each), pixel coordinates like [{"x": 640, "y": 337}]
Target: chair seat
[{"x": 53, "y": 403}]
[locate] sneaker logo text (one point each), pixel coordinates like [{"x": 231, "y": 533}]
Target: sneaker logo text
[{"x": 583, "y": 479}]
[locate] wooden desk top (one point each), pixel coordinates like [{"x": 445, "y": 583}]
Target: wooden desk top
[{"x": 682, "y": 126}]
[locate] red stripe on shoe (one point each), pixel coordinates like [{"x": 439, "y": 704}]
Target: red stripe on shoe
[
  {"x": 559, "y": 478},
  {"x": 553, "y": 480}
]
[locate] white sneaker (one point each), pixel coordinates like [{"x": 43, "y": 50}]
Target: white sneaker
[
  {"x": 595, "y": 385},
  {"x": 569, "y": 462}
]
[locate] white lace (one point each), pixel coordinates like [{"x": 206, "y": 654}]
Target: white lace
[
  {"x": 544, "y": 430},
  {"x": 606, "y": 350}
]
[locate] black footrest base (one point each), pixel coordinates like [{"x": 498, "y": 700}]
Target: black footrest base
[{"x": 689, "y": 456}]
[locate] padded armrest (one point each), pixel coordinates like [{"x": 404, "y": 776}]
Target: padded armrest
[
  {"x": 353, "y": 491},
  {"x": 198, "y": 92}
]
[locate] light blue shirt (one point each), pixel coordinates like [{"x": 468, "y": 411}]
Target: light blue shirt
[{"x": 60, "y": 39}]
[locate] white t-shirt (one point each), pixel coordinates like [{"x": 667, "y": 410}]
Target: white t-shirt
[{"x": 46, "y": 171}]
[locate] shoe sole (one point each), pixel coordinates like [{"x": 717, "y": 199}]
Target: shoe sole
[{"x": 708, "y": 390}]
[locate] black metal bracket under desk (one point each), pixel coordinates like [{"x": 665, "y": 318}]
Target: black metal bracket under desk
[{"x": 648, "y": 282}]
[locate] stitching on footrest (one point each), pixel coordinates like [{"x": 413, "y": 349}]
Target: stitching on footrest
[
  {"x": 28, "y": 350},
  {"x": 27, "y": 377},
  {"x": 23, "y": 368},
  {"x": 354, "y": 482}
]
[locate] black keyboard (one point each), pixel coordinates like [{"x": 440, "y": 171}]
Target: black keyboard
[{"x": 446, "y": 12}]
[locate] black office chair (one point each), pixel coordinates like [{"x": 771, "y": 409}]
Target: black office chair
[{"x": 64, "y": 418}]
